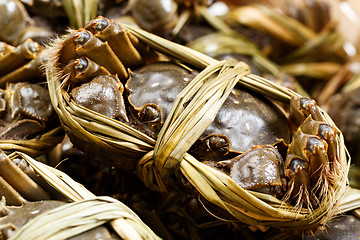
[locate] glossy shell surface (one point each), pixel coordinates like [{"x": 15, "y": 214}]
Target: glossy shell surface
[{"x": 245, "y": 119}]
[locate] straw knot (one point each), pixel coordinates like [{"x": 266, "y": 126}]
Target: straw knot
[{"x": 193, "y": 111}]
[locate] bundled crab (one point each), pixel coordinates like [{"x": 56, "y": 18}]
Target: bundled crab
[
  {"x": 34, "y": 196},
  {"x": 28, "y": 122},
  {"x": 197, "y": 122}
]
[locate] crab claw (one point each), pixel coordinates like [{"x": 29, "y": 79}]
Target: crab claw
[
  {"x": 260, "y": 169},
  {"x": 103, "y": 94},
  {"x": 213, "y": 147}
]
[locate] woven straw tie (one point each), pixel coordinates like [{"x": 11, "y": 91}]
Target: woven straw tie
[{"x": 193, "y": 111}]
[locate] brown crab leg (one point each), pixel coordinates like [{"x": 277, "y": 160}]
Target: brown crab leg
[
  {"x": 312, "y": 148},
  {"x": 324, "y": 131},
  {"x": 83, "y": 69},
  {"x": 19, "y": 56},
  {"x": 299, "y": 184},
  {"x": 118, "y": 39},
  {"x": 67, "y": 50},
  {"x": 26, "y": 73},
  {"x": 316, "y": 150},
  {"x": 11, "y": 195},
  {"x": 28, "y": 170},
  {"x": 145, "y": 51},
  {"x": 302, "y": 107},
  {"x": 21, "y": 182},
  {"x": 95, "y": 49}
]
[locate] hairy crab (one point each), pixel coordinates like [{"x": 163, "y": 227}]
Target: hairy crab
[
  {"x": 25, "y": 195},
  {"x": 249, "y": 130},
  {"x": 152, "y": 98},
  {"x": 26, "y": 111},
  {"x": 19, "y": 182}
]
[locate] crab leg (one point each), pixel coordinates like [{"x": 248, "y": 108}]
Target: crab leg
[
  {"x": 19, "y": 56},
  {"x": 118, "y": 39},
  {"x": 95, "y": 49},
  {"x": 82, "y": 70},
  {"x": 21, "y": 182},
  {"x": 5, "y": 49},
  {"x": 25, "y": 73},
  {"x": 11, "y": 195}
]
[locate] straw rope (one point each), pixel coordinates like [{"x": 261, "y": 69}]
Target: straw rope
[
  {"x": 34, "y": 147},
  {"x": 74, "y": 218}
]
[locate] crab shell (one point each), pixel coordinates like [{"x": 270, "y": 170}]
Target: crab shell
[
  {"x": 102, "y": 95},
  {"x": 244, "y": 120},
  {"x": 17, "y": 26},
  {"x": 31, "y": 100},
  {"x": 151, "y": 90},
  {"x": 25, "y": 111},
  {"x": 261, "y": 169},
  {"x": 154, "y": 16}
]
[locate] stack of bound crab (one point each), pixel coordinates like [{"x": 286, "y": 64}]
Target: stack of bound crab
[{"x": 248, "y": 149}]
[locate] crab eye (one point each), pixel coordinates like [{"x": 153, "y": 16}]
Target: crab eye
[
  {"x": 325, "y": 130},
  {"x": 101, "y": 24},
  {"x": 81, "y": 64},
  {"x": 82, "y": 37},
  {"x": 313, "y": 144}
]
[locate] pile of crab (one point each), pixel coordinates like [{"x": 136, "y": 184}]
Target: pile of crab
[
  {"x": 287, "y": 151},
  {"x": 28, "y": 121}
]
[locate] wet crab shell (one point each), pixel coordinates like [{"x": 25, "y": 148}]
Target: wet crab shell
[
  {"x": 16, "y": 24},
  {"x": 261, "y": 169},
  {"x": 27, "y": 110},
  {"x": 102, "y": 95},
  {"x": 27, "y": 119},
  {"x": 31, "y": 100},
  {"x": 16, "y": 14},
  {"x": 152, "y": 90},
  {"x": 154, "y": 16},
  {"x": 244, "y": 120},
  {"x": 247, "y": 119}
]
